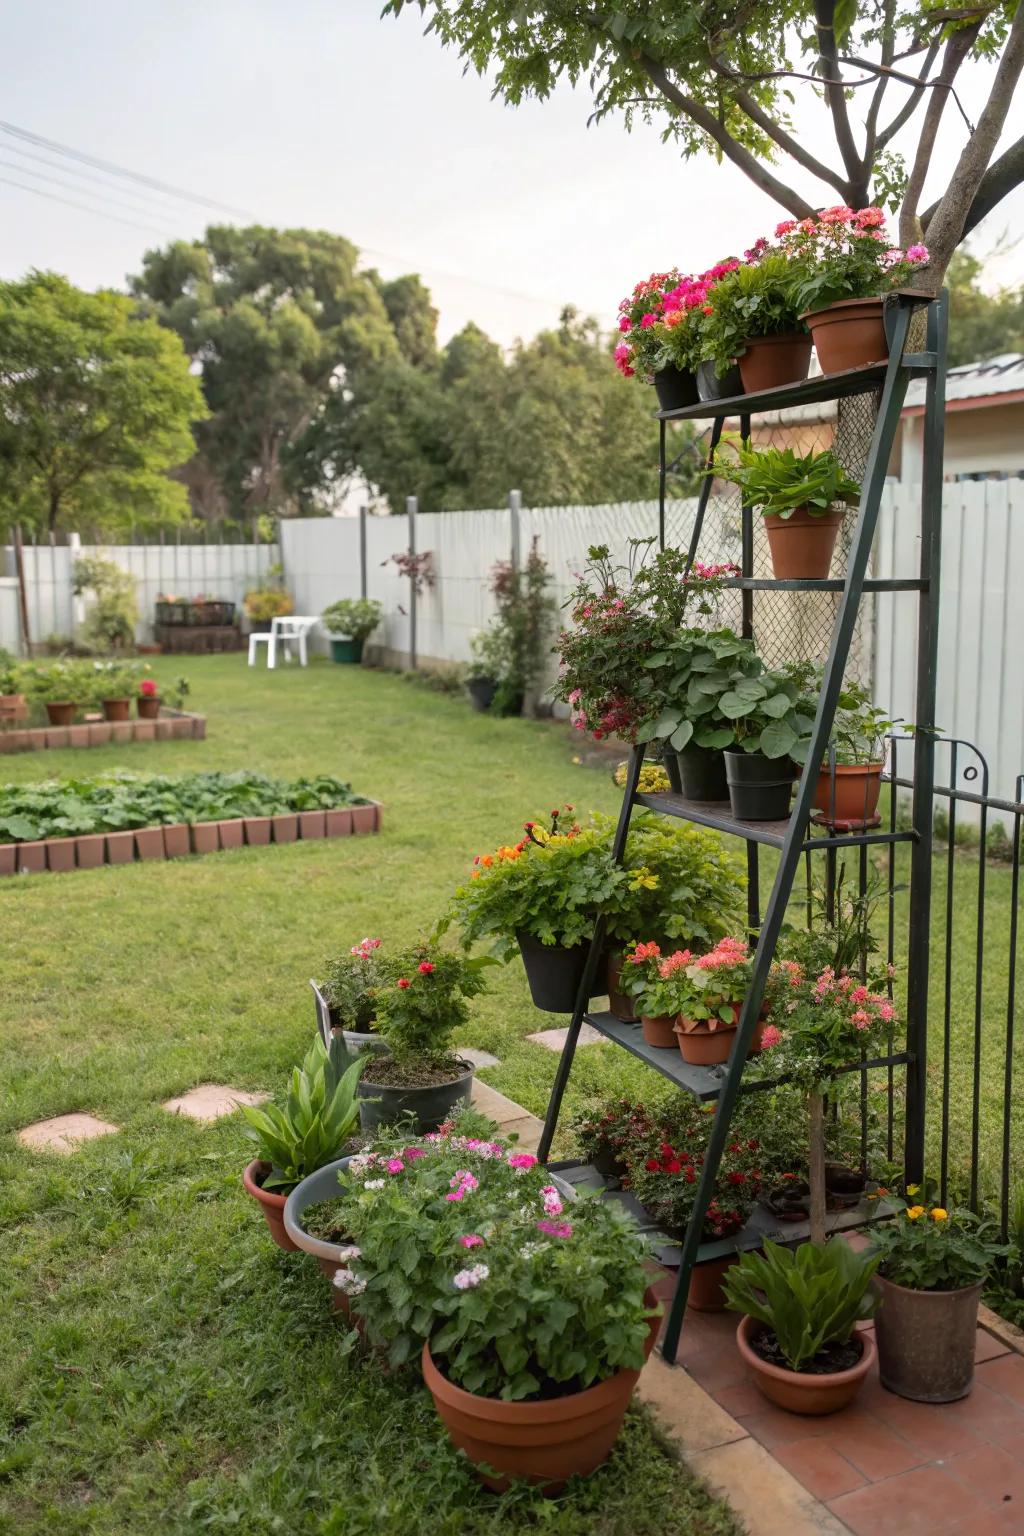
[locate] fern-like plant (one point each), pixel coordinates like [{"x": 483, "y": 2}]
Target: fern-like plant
[{"x": 315, "y": 1121}]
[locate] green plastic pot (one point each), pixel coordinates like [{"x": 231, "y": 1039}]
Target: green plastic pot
[{"x": 348, "y": 651}]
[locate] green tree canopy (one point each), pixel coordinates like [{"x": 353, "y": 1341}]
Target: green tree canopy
[
  {"x": 95, "y": 408},
  {"x": 724, "y": 77},
  {"x": 981, "y": 324}
]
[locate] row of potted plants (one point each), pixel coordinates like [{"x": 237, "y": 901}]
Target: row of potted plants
[
  {"x": 747, "y": 325},
  {"x": 186, "y": 612},
  {"x": 643, "y": 660},
  {"x": 73, "y": 686}
]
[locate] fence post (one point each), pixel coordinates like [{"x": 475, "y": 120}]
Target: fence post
[
  {"x": 19, "y": 566},
  {"x": 363, "y": 581},
  {"x": 410, "y": 511},
  {"x": 515, "y": 503}
]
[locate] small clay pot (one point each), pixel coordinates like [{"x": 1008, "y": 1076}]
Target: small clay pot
[
  {"x": 768, "y": 362},
  {"x": 620, "y": 1003},
  {"x": 798, "y": 1391},
  {"x": 660, "y": 1032},
  {"x": 801, "y": 544},
  {"x": 703, "y": 1047},
  {"x": 60, "y": 713},
  {"x": 271, "y": 1204},
  {"x": 117, "y": 709},
  {"x": 705, "y": 1293},
  {"x": 148, "y": 706},
  {"x": 851, "y": 796}
]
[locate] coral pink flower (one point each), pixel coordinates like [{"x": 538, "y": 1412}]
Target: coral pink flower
[
  {"x": 770, "y": 1036},
  {"x": 786, "y": 227},
  {"x": 869, "y": 218}
]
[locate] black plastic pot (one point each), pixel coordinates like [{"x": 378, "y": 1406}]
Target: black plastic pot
[
  {"x": 702, "y": 773},
  {"x": 759, "y": 787},
  {"x": 675, "y": 387},
  {"x": 511, "y": 706},
  {"x": 481, "y": 692},
  {"x": 712, "y": 387},
  {"x": 554, "y": 973},
  {"x": 382, "y": 1104},
  {"x": 844, "y": 1187}
]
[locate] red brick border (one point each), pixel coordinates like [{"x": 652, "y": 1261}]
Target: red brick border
[{"x": 172, "y": 725}]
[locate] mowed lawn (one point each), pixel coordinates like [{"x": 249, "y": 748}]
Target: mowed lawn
[{"x": 163, "y": 1368}]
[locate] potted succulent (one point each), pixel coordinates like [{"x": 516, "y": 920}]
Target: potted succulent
[
  {"x": 548, "y": 1403},
  {"x": 420, "y": 1000},
  {"x": 798, "y": 1336},
  {"x": 641, "y": 351},
  {"x": 771, "y": 714},
  {"x": 932, "y": 1267},
  {"x": 350, "y": 622},
  {"x": 798, "y": 496},
  {"x": 754, "y": 316},
  {"x": 303, "y": 1133},
  {"x": 850, "y": 780},
  {"x": 844, "y": 264},
  {"x": 264, "y": 604},
  {"x": 347, "y": 992}
]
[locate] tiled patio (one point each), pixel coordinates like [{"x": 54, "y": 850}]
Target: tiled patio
[{"x": 887, "y": 1467}]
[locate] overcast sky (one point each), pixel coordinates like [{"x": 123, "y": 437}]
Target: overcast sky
[{"x": 304, "y": 112}]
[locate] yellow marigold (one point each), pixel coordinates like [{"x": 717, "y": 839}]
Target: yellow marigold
[
  {"x": 914, "y": 1211},
  {"x": 938, "y": 1214}
]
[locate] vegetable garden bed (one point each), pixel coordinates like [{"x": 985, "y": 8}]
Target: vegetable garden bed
[
  {"x": 82, "y": 823},
  {"x": 169, "y": 725}
]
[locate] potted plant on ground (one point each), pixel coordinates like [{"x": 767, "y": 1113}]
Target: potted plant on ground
[
  {"x": 932, "y": 1267},
  {"x": 755, "y": 318},
  {"x": 63, "y": 688},
  {"x": 420, "y": 1001},
  {"x": 489, "y": 663},
  {"x": 350, "y": 622},
  {"x": 510, "y": 655},
  {"x": 549, "y": 1401},
  {"x": 113, "y": 684},
  {"x": 850, "y": 779},
  {"x": 268, "y": 602},
  {"x": 771, "y": 714},
  {"x": 797, "y": 495},
  {"x": 798, "y": 1336},
  {"x": 641, "y": 352},
  {"x": 309, "y": 1129},
  {"x": 844, "y": 264}
]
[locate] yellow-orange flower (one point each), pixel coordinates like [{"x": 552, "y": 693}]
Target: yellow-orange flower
[
  {"x": 487, "y": 860},
  {"x": 914, "y": 1211},
  {"x": 938, "y": 1214}
]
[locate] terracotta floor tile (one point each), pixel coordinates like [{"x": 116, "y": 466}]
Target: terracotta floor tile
[
  {"x": 987, "y": 1347},
  {"x": 924, "y": 1502},
  {"x": 931, "y": 1427},
  {"x": 989, "y": 1522},
  {"x": 774, "y": 1427},
  {"x": 1014, "y": 1446},
  {"x": 1005, "y": 1375},
  {"x": 743, "y": 1399},
  {"x": 875, "y": 1448},
  {"x": 993, "y": 1474},
  {"x": 990, "y": 1416},
  {"x": 820, "y": 1467}
]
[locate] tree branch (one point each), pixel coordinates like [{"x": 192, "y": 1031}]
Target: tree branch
[
  {"x": 750, "y": 166},
  {"x": 779, "y": 136},
  {"x": 835, "y": 96},
  {"x": 958, "y": 46},
  {"x": 888, "y": 49},
  {"x": 1001, "y": 177},
  {"x": 910, "y": 106}
]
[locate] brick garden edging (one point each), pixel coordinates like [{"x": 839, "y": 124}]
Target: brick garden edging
[
  {"x": 59, "y": 854},
  {"x": 174, "y": 725}
]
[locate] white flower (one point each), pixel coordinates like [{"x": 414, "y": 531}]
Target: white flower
[
  {"x": 468, "y": 1279},
  {"x": 373, "y": 1183},
  {"x": 348, "y": 1281},
  {"x": 349, "y": 1252}
]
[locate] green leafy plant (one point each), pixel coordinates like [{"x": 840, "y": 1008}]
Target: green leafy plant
[
  {"x": 927, "y": 1248},
  {"x": 310, "y": 1128},
  {"x": 114, "y": 680},
  {"x": 756, "y": 299},
  {"x": 847, "y": 254},
  {"x": 113, "y": 612},
  {"x": 859, "y": 731},
  {"x": 772, "y": 712},
  {"x": 348, "y": 984},
  {"x": 514, "y": 648},
  {"x": 692, "y": 672},
  {"x": 683, "y": 885},
  {"x": 421, "y": 999},
  {"x": 353, "y": 617},
  {"x": 808, "y": 1298},
  {"x": 779, "y": 482}
]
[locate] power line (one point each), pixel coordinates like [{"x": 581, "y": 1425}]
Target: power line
[
  {"x": 74, "y": 170},
  {"x": 57, "y": 181},
  {"x": 56, "y": 198}
]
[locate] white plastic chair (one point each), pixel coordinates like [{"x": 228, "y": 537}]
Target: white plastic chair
[
  {"x": 293, "y": 628},
  {"x": 263, "y": 637}
]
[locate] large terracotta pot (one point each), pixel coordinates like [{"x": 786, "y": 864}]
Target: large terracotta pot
[
  {"x": 271, "y": 1204},
  {"x": 797, "y": 1391},
  {"x": 850, "y": 334},
  {"x": 802, "y": 545},
  {"x": 926, "y": 1341},
  {"x": 771, "y": 361},
  {"x": 855, "y": 796},
  {"x": 545, "y": 1442},
  {"x": 660, "y": 1032},
  {"x": 60, "y": 713},
  {"x": 705, "y": 1293}
]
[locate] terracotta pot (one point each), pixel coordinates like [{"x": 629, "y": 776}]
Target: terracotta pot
[
  {"x": 771, "y": 361},
  {"x": 120, "y": 847},
  {"x": 32, "y": 858},
  {"x": 545, "y": 1442},
  {"x": 620, "y": 1003},
  {"x": 850, "y": 334},
  {"x": 257, "y": 831},
  {"x": 854, "y": 797},
  {"x": 117, "y": 709},
  {"x": 149, "y": 842},
  {"x": 311, "y": 824},
  {"x": 802, "y": 545},
  {"x": 286, "y": 827},
  {"x": 705, "y": 1293},
  {"x": 660, "y": 1032},
  {"x": 339, "y": 823},
  {"x": 91, "y": 850},
  {"x": 60, "y": 854},
  {"x": 796, "y": 1391},
  {"x": 8, "y": 858},
  {"x": 205, "y": 836},
  {"x": 231, "y": 832},
  {"x": 148, "y": 706},
  {"x": 926, "y": 1341},
  {"x": 705, "y": 1047},
  {"x": 60, "y": 713},
  {"x": 271, "y": 1203}
]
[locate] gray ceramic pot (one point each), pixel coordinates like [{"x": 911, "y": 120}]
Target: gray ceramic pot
[{"x": 926, "y": 1341}]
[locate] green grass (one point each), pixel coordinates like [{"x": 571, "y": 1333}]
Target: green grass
[{"x": 162, "y": 1367}]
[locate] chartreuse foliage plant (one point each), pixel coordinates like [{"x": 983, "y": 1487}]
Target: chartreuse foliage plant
[
  {"x": 808, "y": 1297},
  {"x": 311, "y": 1126},
  {"x": 685, "y": 887}
]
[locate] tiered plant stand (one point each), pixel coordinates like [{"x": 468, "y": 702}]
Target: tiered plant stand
[{"x": 883, "y": 387}]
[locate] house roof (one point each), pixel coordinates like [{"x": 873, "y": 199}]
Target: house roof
[{"x": 990, "y": 382}]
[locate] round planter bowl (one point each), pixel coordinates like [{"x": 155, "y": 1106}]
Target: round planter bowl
[
  {"x": 481, "y": 692},
  {"x": 801, "y": 545},
  {"x": 711, "y": 386},
  {"x": 271, "y": 1204},
  {"x": 702, "y": 774},
  {"x": 554, "y": 973},
  {"x": 347, "y": 650},
  {"x": 659, "y": 1032},
  {"x": 852, "y": 795},
  {"x": 759, "y": 787},
  {"x": 381, "y": 1104},
  {"x": 926, "y": 1341},
  {"x": 705, "y": 1047},
  {"x": 545, "y": 1442},
  {"x": 796, "y": 1391},
  {"x": 768, "y": 362},
  {"x": 850, "y": 334},
  {"x": 675, "y": 388},
  {"x": 315, "y": 1187}
]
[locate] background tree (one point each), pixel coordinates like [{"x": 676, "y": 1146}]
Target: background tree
[
  {"x": 981, "y": 324},
  {"x": 95, "y": 407},
  {"x": 723, "y": 77}
]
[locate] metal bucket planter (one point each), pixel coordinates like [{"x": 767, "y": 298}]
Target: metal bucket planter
[
  {"x": 383, "y": 1104},
  {"x": 759, "y": 787},
  {"x": 926, "y": 1341},
  {"x": 554, "y": 973}
]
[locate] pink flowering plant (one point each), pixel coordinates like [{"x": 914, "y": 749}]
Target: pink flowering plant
[
  {"x": 552, "y": 1301},
  {"x": 826, "y": 1021},
  {"x": 845, "y": 253},
  {"x": 349, "y": 982},
  {"x": 639, "y": 314},
  {"x": 659, "y": 322},
  {"x": 718, "y": 981}
]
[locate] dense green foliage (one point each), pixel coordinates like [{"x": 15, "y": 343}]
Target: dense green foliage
[
  {"x": 96, "y": 405},
  {"x": 311, "y": 1125},
  {"x": 982, "y": 324},
  {"x": 927, "y": 1248},
  {"x": 809, "y": 1297},
  {"x": 112, "y": 610},
  {"x": 355, "y": 618},
  {"x": 421, "y": 997},
  {"x": 778, "y": 481}
]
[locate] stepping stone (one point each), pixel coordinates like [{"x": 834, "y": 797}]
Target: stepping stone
[
  {"x": 211, "y": 1101},
  {"x": 508, "y": 1115},
  {"x": 554, "y": 1039},
  {"x": 480, "y": 1058},
  {"x": 63, "y": 1133}
]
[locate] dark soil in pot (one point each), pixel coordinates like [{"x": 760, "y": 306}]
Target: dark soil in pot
[
  {"x": 386, "y": 1095},
  {"x": 554, "y": 973},
  {"x": 702, "y": 773},
  {"x": 675, "y": 388},
  {"x": 711, "y": 386},
  {"x": 760, "y": 787},
  {"x": 481, "y": 692}
]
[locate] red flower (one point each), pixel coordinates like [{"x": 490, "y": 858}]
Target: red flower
[
  {"x": 652, "y": 1165},
  {"x": 403, "y": 982},
  {"x": 147, "y": 687},
  {"x": 737, "y": 1178},
  {"x": 673, "y": 1165},
  {"x": 426, "y": 969}
]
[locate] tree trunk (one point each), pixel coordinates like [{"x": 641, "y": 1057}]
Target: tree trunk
[
  {"x": 816, "y": 1165},
  {"x": 54, "y": 512}
]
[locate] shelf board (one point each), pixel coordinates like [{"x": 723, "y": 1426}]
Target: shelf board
[
  {"x": 762, "y": 1223},
  {"x": 718, "y": 814},
  {"x": 823, "y": 584},
  {"x": 830, "y": 386},
  {"x": 705, "y": 1083}
]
